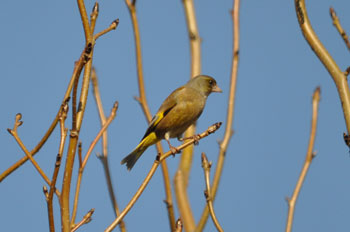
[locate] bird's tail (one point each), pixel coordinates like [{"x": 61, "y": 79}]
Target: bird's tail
[{"x": 131, "y": 159}]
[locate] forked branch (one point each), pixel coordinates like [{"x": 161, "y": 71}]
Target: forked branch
[{"x": 338, "y": 76}]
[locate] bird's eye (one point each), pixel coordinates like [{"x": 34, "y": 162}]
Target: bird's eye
[{"x": 211, "y": 82}]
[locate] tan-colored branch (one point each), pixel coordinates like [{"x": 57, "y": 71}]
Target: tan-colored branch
[
  {"x": 111, "y": 27},
  {"x": 87, "y": 156},
  {"x": 74, "y": 135},
  {"x": 104, "y": 156},
  {"x": 338, "y": 76},
  {"x": 63, "y": 116},
  {"x": 144, "y": 105},
  {"x": 183, "y": 202},
  {"x": 93, "y": 17},
  {"x": 86, "y": 219},
  {"x": 195, "y": 46},
  {"x": 230, "y": 113},
  {"x": 309, "y": 156},
  {"x": 340, "y": 29},
  {"x": 84, "y": 57},
  {"x": 154, "y": 167},
  {"x": 206, "y": 165},
  {"x": 85, "y": 20},
  {"x": 14, "y": 133}
]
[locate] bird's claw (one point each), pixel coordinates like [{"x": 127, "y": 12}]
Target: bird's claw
[{"x": 174, "y": 150}]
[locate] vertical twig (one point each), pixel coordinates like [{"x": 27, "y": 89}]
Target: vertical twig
[
  {"x": 206, "y": 165},
  {"x": 230, "y": 112},
  {"x": 104, "y": 156},
  {"x": 336, "y": 23},
  {"x": 183, "y": 202},
  {"x": 74, "y": 135},
  {"x": 195, "y": 46},
  {"x": 62, "y": 118},
  {"x": 143, "y": 102},
  {"x": 309, "y": 157},
  {"x": 87, "y": 156}
]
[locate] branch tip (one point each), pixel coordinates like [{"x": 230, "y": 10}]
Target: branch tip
[
  {"x": 116, "y": 23},
  {"x": 214, "y": 127},
  {"x": 346, "y": 139},
  {"x": 347, "y": 71},
  {"x": 332, "y": 13},
  {"x": 96, "y": 8},
  {"x": 316, "y": 96},
  {"x": 46, "y": 192}
]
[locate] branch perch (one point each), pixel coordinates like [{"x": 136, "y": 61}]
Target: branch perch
[{"x": 154, "y": 167}]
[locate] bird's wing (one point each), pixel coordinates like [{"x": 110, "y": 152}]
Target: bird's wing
[{"x": 163, "y": 111}]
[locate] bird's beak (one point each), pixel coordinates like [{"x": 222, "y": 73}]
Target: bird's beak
[{"x": 216, "y": 89}]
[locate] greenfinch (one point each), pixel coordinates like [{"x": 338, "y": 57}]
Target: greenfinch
[{"x": 180, "y": 109}]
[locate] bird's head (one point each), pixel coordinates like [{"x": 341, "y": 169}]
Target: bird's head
[{"x": 204, "y": 84}]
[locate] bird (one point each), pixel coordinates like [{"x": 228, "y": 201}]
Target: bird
[{"x": 179, "y": 110}]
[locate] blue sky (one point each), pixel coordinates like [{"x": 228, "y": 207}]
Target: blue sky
[{"x": 277, "y": 75}]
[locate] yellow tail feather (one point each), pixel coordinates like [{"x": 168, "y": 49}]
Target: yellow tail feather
[{"x": 131, "y": 159}]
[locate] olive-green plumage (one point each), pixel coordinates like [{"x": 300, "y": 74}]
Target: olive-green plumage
[{"x": 179, "y": 110}]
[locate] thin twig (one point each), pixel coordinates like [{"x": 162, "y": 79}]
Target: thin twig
[
  {"x": 64, "y": 130},
  {"x": 104, "y": 156},
  {"x": 85, "y": 20},
  {"x": 111, "y": 27},
  {"x": 206, "y": 165},
  {"x": 154, "y": 167},
  {"x": 93, "y": 17},
  {"x": 90, "y": 41},
  {"x": 79, "y": 65},
  {"x": 86, "y": 219},
  {"x": 309, "y": 157},
  {"x": 230, "y": 113},
  {"x": 14, "y": 133},
  {"x": 144, "y": 105},
  {"x": 340, "y": 29},
  {"x": 338, "y": 76},
  {"x": 87, "y": 156}
]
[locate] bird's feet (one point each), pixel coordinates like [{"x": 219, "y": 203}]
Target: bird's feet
[{"x": 196, "y": 139}]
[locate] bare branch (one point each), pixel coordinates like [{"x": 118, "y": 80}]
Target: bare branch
[
  {"x": 338, "y": 76},
  {"x": 230, "y": 113},
  {"x": 86, "y": 219},
  {"x": 154, "y": 167},
  {"x": 87, "y": 156},
  {"x": 309, "y": 157},
  {"x": 62, "y": 118},
  {"x": 144, "y": 106},
  {"x": 206, "y": 168},
  {"x": 338, "y": 26},
  {"x": 14, "y": 133},
  {"x": 195, "y": 50}
]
